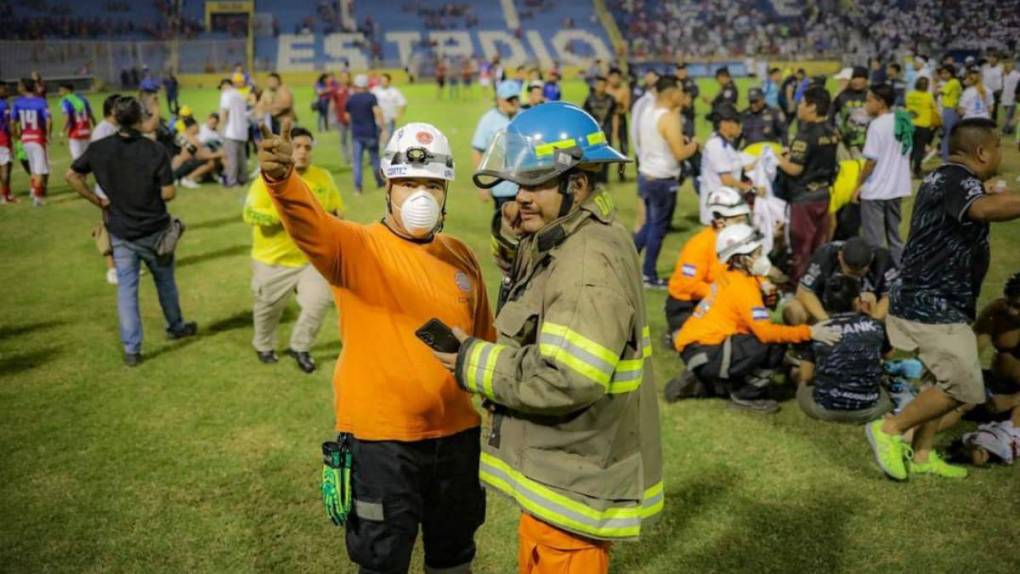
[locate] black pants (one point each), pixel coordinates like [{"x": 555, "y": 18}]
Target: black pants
[
  {"x": 922, "y": 137},
  {"x": 678, "y": 312},
  {"x": 723, "y": 368},
  {"x": 399, "y": 486},
  {"x": 623, "y": 145}
]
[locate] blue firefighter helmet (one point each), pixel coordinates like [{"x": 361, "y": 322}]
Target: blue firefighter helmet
[{"x": 542, "y": 143}]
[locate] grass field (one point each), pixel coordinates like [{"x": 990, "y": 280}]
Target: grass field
[{"x": 204, "y": 460}]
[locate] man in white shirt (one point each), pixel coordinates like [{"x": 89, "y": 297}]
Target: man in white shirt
[
  {"x": 977, "y": 100},
  {"x": 721, "y": 164},
  {"x": 391, "y": 101},
  {"x": 234, "y": 126},
  {"x": 1010, "y": 93},
  {"x": 208, "y": 133},
  {"x": 104, "y": 129},
  {"x": 663, "y": 148},
  {"x": 992, "y": 76},
  {"x": 886, "y": 173},
  {"x": 643, "y": 103}
]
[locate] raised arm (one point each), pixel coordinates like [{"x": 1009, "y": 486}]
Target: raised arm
[{"x": 322, "y": 237}]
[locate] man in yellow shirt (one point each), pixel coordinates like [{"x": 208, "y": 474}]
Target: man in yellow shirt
[
  {"x": 949, "y": 98},
  {"x": 920, "y": 103},
  {"x": 279, "y": 267}
]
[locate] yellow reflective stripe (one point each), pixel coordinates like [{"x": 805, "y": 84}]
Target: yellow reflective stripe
[
  {"x": 471, "y": 368},
  {"x": 629, "y": 373},
  {"x": 545, "y": 149},
  {"x": 580, "y": 341},
  {"x": 548, "y": 148},
  {"x": 489, "y": 369},
  {"x": 545, "y": 503},
  {"x": 628, "y": 376},
  {"x": 557, "y": 353}
]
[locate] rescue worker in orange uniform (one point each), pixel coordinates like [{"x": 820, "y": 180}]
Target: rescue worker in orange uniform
[
  {"x": 412, "y": 434},
  {"x": 730, "y": 345}
]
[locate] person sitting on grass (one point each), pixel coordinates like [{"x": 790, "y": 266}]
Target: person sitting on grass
[
  {"x": 842, "y": 382},
  {"x": 999, "y": 324},
  {"x": 730, "y": 345},
  {"x": 195, "y": 160}
]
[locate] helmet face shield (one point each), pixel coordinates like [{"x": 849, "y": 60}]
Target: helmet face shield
[{"x": 525, "y": 160}]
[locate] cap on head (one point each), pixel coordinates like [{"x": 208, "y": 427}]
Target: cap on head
[
  {"x": 185, "y": 112},
  {"x": 755, "y": 95},
  {"x": 361, "y": 81},
  {"x": 736, "y": 240},
  {"x": 858, "y": 253},
  {"x": 508, "y": 89},
  {"x": 418, "y": 150},
  {"x": 726, "y": 113}
]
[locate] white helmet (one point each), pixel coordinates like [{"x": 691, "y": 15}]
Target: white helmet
[
  {"x": 737, "y": 239},
  {"x": 727, "y": 202},
  {"x": 418, "y": 150}
]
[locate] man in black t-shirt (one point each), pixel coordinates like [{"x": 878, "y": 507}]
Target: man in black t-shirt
[
  {"x": 872, "y": 266},
  {"x": 602, "y": 106},
  {"x": 842, "y": 382},
  {"x": 691, "y": 89},
  {"x": 848, "y": 114},
  {"x": 935, "y": 299},
  {"x": 134, "y": 173},
  {"x": 808, "y": 171}
]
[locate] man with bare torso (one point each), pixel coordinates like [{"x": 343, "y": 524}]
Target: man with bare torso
[{"x": 621, "y": 93}]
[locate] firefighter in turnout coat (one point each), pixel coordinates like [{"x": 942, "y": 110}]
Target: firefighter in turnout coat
[{"x": 573, "y": 435}]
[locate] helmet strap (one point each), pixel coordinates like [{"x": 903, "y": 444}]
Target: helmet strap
[{"x": 568, "y": 195}]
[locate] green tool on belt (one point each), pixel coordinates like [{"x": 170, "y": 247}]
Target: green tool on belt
[{"x": 336, "y": 478}]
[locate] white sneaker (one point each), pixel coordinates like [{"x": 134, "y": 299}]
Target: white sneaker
[
  {"x": 38, "y": 201},
  {"x": 189, "y": 183},
  {"x": 111, "y": 276}
]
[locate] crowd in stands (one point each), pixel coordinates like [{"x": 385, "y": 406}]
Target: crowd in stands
[
  {"x": 655, "y": 30},
  {"x": 43, "y": 20}
]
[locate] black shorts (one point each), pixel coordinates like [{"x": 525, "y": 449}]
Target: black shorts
[
  {"x": 441, "y": 82},
  {"x": 678, "y": 312},
  {"x": 399, "y": 486}
]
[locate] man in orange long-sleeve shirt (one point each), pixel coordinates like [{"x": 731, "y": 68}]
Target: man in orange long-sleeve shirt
[
  {"x": 730, "y": 345},
  {"x": 413, "y": 432},
  {"x": 698, "y": 266}
]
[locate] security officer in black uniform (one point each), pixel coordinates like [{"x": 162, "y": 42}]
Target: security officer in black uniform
[
  {"x": 690, "y": 87},
  {"x": 760, "y": 122}
]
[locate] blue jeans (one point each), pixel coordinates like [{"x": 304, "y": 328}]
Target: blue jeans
[
  {"x": 949, "y": 119},
  {"x": 659, "y": 196},
  {"x": 127, "y": 258},
  {"x": 372, "y": 146},
  {"x": 345, "y": 142}
]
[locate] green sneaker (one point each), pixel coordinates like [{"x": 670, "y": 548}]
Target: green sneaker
[
  {"x": 937, "y": 467},
  {"x": 888, "y": 449}
]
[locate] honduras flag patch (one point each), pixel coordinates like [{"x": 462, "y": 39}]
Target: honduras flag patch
[
  {"x": 689, "y": 270},
  {"x": 759, "y": 313}
]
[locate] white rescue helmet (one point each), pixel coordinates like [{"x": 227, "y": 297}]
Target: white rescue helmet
[
  {"x": 737, "y": 239},
  {"x": 418, "y": 150},
  {"x": 727, "y": 202}
]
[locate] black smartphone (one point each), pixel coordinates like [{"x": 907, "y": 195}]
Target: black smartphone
[{"x": 438, "y": 336}]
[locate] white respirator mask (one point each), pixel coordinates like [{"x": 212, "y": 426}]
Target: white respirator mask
[
  {"x": 420, "y": 213},
  {"x": 761, "y": 266}
]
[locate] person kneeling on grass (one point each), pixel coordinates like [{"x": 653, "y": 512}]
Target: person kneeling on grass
[
  {"x": 730, "y": 345},
  {"x": 196, "y": 160},
  {"x": 279, "y": 268},
  {"x": 698, "y": 265},
  {"x": 842, "y": 382}
]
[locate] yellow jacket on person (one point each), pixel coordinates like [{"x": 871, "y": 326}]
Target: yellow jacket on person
[
  {"x": 922, "y": 108},
  {"x": 270, "y": 243}
]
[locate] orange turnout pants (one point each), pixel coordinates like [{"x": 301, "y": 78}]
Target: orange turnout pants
[{"x": 545, "y": 549}]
